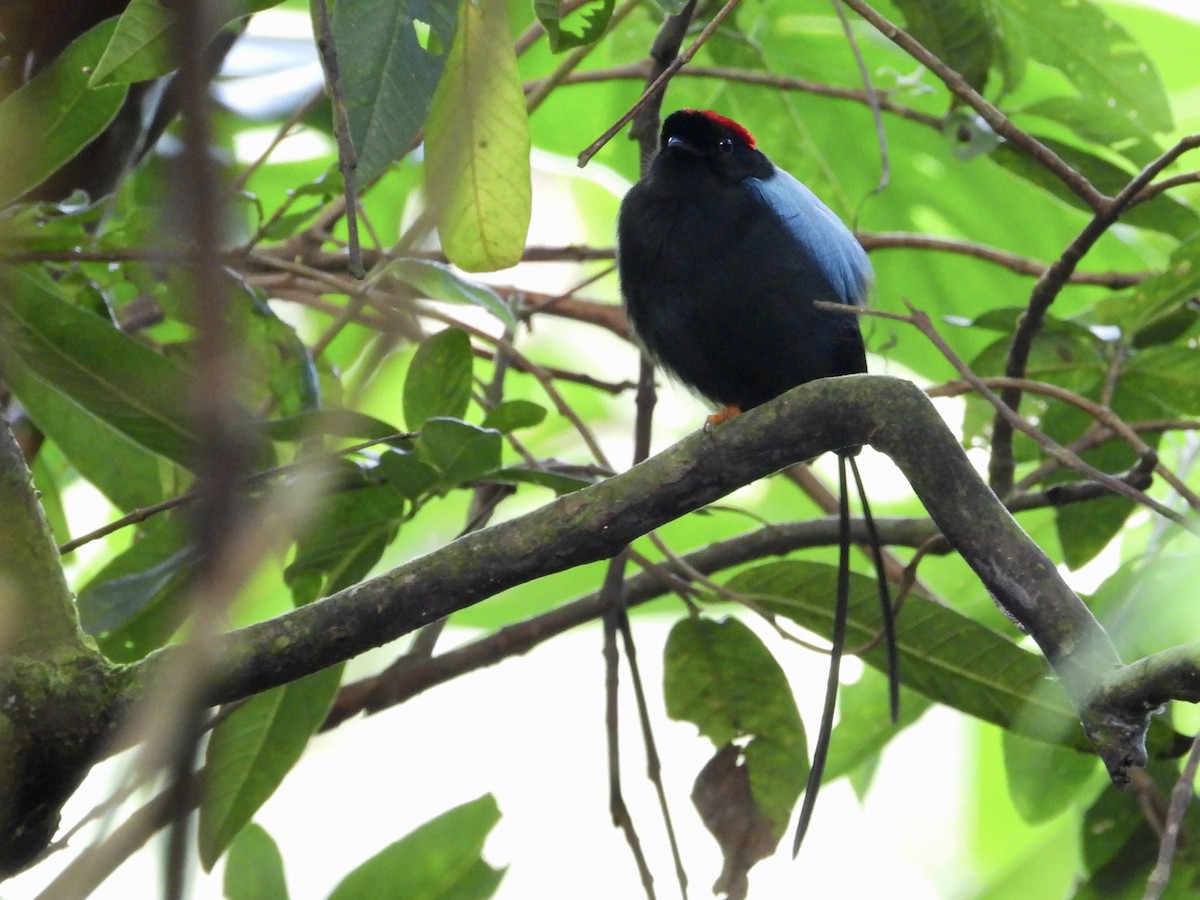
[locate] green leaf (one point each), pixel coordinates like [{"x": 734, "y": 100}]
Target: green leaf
[
  {"x": 960, "y": 32},
  {"x": 509, "y": 415},
  {"x": 719, "y": 676},
  {"x": 128, "y": 474},
  {"x": 143, "y": 47},
  {"x": 110, "y": 374},
  {"x": 1163, "y": 213},
  {"x": 439, "y": 378},
  {"x": 556, "y": 481},
  {"x": 595, "y": 15},
  {"x": 943, "y": 654},
  {"x": 388, "y": 72},
  {"x": 338, "y": 422},
  {"x": 864, "y": 725},
  {"x": 477, "y": 144},
  {"x": 45, "y": 122},
  {"x": 251, "y": 751},
  {"x": 440, "y": 282},
  {"x": 412, "y": 477},
  {"x": 1044, "y": 779},
  {"x": 1101, "y": 58},
  {"x": 134, "y": 604},
  {"x": 440, "y": 860},
  {"x": 254, "y": 867},
  {"x": 1097, "y": 122},
  {"x": 461, "y": 452},
  {"x": 344, "y": 540}
]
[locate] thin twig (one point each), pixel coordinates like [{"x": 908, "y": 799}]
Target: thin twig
[
  {"x": 347, "y": 157},
  {"x": 1181, "y": 796},
  {"x": 659, "y": 84},
  {"x": 1000, "y": 123},
  {"x": 1046, "y": 290}
]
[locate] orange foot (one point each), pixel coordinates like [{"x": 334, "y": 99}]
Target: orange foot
[{"x": 723, "y": 415}]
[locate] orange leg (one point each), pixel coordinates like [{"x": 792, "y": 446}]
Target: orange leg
[{"x": 723, "y": 415}]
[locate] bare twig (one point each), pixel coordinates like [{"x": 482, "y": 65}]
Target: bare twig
[
  {"x": 1181, "y": 796},
  {"x": 347, "y": 157}
]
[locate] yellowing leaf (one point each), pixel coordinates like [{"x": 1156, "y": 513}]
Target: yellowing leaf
[{"x": 477, "y": 145}]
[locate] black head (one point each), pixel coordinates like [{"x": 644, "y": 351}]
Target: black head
[{"x": 720, "y": 144}]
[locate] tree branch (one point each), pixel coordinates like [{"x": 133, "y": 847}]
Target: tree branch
[{"x": 893, "y": 416}]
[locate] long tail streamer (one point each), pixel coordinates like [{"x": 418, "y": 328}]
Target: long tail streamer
[{"x": 838, "y": 642}]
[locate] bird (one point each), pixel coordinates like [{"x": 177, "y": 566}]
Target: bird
[{"x": 721, "y": 257}]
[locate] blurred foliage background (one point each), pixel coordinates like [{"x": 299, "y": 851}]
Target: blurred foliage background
[{"x": 482, "y": 365}]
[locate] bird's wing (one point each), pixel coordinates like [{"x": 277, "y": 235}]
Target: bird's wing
[{"x": 820, "y": 232}]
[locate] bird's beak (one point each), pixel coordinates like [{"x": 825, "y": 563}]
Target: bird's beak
[{"x": 676, "y": 142}]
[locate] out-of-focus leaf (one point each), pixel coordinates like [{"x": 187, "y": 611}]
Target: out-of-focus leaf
[
  {"x": 133, "y": 605},
  {"x": 110, "y": 374},
  {"x": 864, "y": 724},
  {"x": 45, "y": 122},
  {"x": 142, "y": 46},
  {"x": 389, "y": 71},
  {"x": 943, "y": 654},
  {"x": 1084, "y": 529},
  {"x": 1163, "y": 305},
  {"x": 338, "y": 422},
  {"x": 252, "y": 750},
  {"x": 1163, "y": 213},
  {"x": 1044, "y": 779},
  {"x": 128, "y": 474},
  {"x": 719, "y": 676},
  {"x": 460, "y": 451},
  {"x": 277, "y": 362},
  {"x": 556, "y": 481},
  {"x": 440, "y": 282},
  {"x": 440, "y": 860},
  {"x": 347, "y": 537},
  {"x": 1097, "y": 122},
  {"x": 439, "y": 378},
  {"x": 254, "y": 867},
  {"x": 477, "y": 144},
  {"x": 592, "y": 17},
  {"x": 1120, "y": 848},
  {"x": 1101, "y": 59}
]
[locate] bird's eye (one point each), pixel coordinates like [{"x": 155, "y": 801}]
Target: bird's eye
[{"x": 726, "y": 145}]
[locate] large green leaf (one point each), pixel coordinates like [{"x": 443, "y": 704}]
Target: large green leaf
[
  {"x": 960, "y": 32},
  {"x": 439, "y": 378},
  {"x": 143, "y": 46},
  {"x": 134, "y": 604},
  {"x": 389, "y": 72},
  {"x": 440, "y": 860},
  {"x": 1164, "y": 213},
  {"x": 943, "y": 654},
  {"x": 440, "y": 282},
  {"x": 47, "y": 121},
  {"x": 864, "y": 724},
  {"x": 251, "y": 751},
  {"x": 110, "y": 374},
  {"x": 128, "y": 474},
  {"x": 1101, "y": 58},
  {"x": 719, "y": 676},
  {"x": 1044, "y": 779},
  {"x": 477, "y": 145}
]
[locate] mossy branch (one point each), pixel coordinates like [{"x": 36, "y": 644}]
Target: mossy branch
[{"x": 892, "y": 415}]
